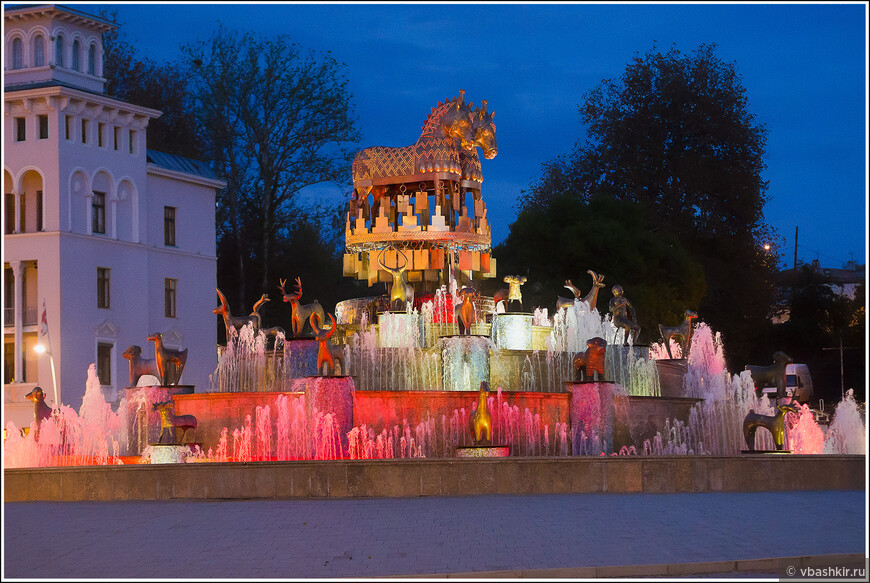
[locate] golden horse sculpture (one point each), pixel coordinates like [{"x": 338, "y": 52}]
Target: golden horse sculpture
[
  {"x": 481, "y": 420},
  {"x": 401, "y": 292},
  {"x": 326, "y": 355},
  {"x": 169, "y": 420}
]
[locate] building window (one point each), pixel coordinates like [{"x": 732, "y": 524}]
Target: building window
[
  {"x": 8, "y": 362},
  {"x": 104, "y": 275},
  {"x": 85, "y": 127},
  {"x": 101, "y": 128},
  {"x": 39, "y": 224},
  {"x": 132, "y": 141},
  {"x": 8, "y": 297},
  {"x": 76, "y": 48},
  {"x": 116, "y": 137},
  {"x": 169, "y": 226},
  {"x": 58, "y": 51},
  {"x": 67, "y": 126},
  {"x": 92, "y": 60},
  {"x": 20, "y": 129},
  {"x": 17, "y": 54},
  {"x": 169, "y": 288},
  {"x": 43, "y": 127},
  {"x": 22, "y": 214},
  {"x": 98, "y": 213},
  {"x": 104, "y": 362},
  {"x": 9, "y": 202},
  {"x": 38, "y": 51}
]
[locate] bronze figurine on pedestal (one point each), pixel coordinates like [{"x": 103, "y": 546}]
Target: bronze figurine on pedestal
[
  {"x": 624, "y": 316},
  {"x": 682, "y": 333},
  {"x": 464, "y": 313},
  {"x": 773, "y": 423},
  {"x": 591, "y": 362},
  {"x": 590, "y": 298},
  {"x": 481, "y": 420},
  {"x": 326, "y": 355},
  {"x": 512, "y": 293},
  {"x": 139, "y": 366},
  {"x": 233, "y": 324},
  {"x": 300, "y": 313},
  {"x": 169, "y": 420},
  {"x": 170, "y": 361},
  {"x": 401, "y": 292},
  {"x": 770, "y": 376}
]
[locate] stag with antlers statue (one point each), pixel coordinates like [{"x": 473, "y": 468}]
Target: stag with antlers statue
[{"x": 300, "y": 312}]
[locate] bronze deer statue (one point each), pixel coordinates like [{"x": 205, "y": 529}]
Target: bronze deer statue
[
  {"x": 300, "y": 313},
  {"x": 774, "y": 423},
  {"x": 401, "y": 292},
  {"x": 170, "y": 361},
  {"x": 139, "y": 366},
  {"x": 235, "y": 323},
  {"x": 681, "y": 332},
  {"x": 590, "y": 298},
  {"x": 326, "y": 355},
  {"x": 169, "y": 420},
  {"x": 464, "y": 313}
]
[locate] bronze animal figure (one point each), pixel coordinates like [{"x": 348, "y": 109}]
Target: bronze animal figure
[
  {"x": 326, "y": 355},
  {"x": 770, "y": 376},
  {"x": 255, "y": 318},
  {"x": 773, "y": 423},
  {"x": 623, "y": 315},
  {"x": 591, "y": 362},
  {"x": 41, "y": 411},
  {"x": 481, "y": 420},
  {"x": 401, "y": 292},
  {"x": 464, "y": 312},
  {"x": 170, "y": 361},
  {"x": 682, "y": 332},
  {"x": 300, "y": 313},
  {"x": 169, "y": 420},
  {"x": 590, "y": 298},
  {"x": 235, "y": 323},
  {"x": 512, "y": 293},
  {"x": 139, "y": 366}
]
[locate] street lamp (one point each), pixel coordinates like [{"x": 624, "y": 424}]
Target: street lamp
[{"x": 41, "y": 349}]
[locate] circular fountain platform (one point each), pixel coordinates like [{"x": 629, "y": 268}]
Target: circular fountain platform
[{"x": 483, "y": 451}]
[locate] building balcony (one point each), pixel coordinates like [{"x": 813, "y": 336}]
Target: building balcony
[
  {"x": 8, "y": 316},
  {"x": 31, "y": 317}
]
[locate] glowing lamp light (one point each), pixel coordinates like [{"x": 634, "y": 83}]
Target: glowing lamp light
[
  {"x": 39, "y": 348},
  {"x": 767, "y": 246}
]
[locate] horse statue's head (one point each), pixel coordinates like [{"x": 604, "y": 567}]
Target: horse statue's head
[
  {"x": 456, "y": 122},
  {"x": 483, "y": 131}
]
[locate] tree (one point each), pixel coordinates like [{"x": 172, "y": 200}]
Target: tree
[
  {"x": 567, "y": 237},
  {"x": 675, "y": 135},
  {"x": 275, "y": 119},
  {"x": 141, "y": 81}
]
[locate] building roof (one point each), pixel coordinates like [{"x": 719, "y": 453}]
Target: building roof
[
  {"x": 64, "y": 12},
  {"x": 852, "y": 273},
  {"x": 180, "y": 164}
]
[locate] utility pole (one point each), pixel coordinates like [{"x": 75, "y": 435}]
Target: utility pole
[
  {"x": 841, "y": 348},
  {"x": 794, "y": 265}
]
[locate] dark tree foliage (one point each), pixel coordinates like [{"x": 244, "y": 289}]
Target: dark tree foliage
[
  {"x": 674, "y": 134},
  {"x": 275, "y": 119},
  {"x": 567, "y": 237},
  {"x": 819, "y": 319},
  {"x": 142, "y": 81}
]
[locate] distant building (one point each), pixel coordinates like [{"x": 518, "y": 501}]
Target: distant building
[
  {"x": 114, "y": 240},
  {"x": 842, "y": 282}
]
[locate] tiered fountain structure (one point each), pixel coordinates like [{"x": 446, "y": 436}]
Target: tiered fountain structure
[{"x": 409, "y": 370}]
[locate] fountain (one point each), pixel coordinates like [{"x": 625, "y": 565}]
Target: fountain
[{"x": 396, "y": 375}]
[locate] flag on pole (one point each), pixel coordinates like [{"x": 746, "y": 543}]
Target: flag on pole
[{"x": 43, "y": 322}]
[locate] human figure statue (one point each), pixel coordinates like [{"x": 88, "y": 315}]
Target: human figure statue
[{"x": 623, "y": 314}]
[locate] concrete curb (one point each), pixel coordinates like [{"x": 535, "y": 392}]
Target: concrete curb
[{"x": 774, "y": 566}]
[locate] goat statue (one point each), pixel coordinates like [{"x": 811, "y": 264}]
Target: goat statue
[
  {"x": 235, "y": 323},
  {"x": 773, "y": 423},
  {"x": 300, "y": 313},
  {"x": 512, "y": 293},
  {"x": 326, "y": 355},
  {"x": 170, "y": 361}
]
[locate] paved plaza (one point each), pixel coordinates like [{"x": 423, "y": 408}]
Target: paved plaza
[{"x": 502, "y": 535}]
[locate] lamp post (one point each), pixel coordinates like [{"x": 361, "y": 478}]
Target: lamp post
[{"x": 41, "y": 349}]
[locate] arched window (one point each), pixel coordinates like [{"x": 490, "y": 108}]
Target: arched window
[
  {"x": 38, "y": 51},
  {"x": 92, "y": 60},
  {"x": 17, "y": 54},
  {"x": 58, "y": 51},
  {"x": 76, "y": 48}
]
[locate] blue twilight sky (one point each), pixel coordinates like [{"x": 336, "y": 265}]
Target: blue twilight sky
[{"x": 803, "y": 65}]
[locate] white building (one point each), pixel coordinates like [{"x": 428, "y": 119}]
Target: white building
[{"x": 116, "y": 241}]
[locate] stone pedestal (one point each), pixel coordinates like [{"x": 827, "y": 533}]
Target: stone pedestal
[
  {"x": 512, "y": 331},
  {"x": 169, "y": 453},
  {"x": 671, "y": 372},
  {"x": 483, "y": 451},
  {"x": 464, "y": 361},
  {"x": 141, "y": 422},
  {"x": 302, "y": 361},
  {"x": 593, "y": 413}
]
